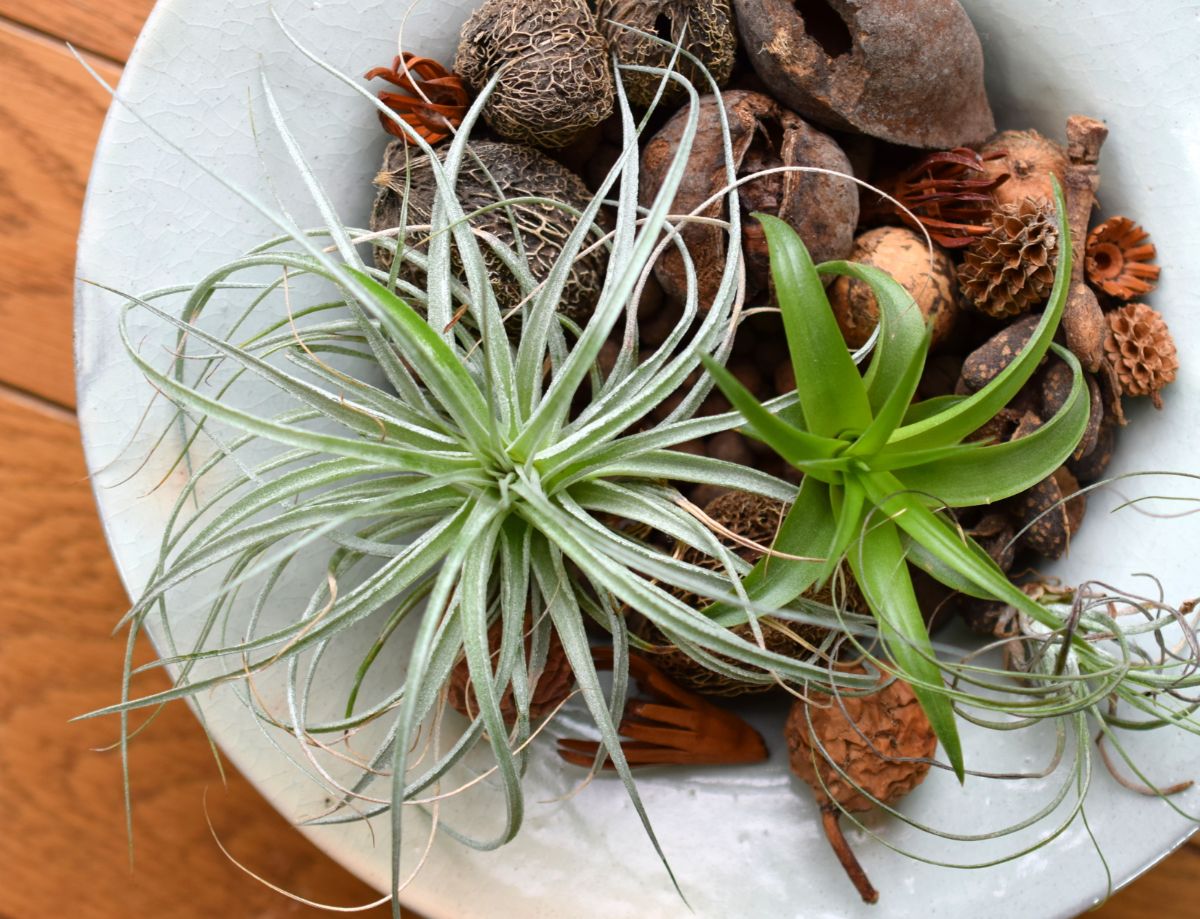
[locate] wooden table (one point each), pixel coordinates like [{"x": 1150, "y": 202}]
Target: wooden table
[{"x": 62, "y": 849}]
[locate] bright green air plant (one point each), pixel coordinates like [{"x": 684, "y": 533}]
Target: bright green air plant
[{"x": 880, "y": 469}]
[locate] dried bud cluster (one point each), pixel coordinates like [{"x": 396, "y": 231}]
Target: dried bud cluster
[
  {"x": 1141, "y": 350},
  {"x": 1011, "y": 269}
]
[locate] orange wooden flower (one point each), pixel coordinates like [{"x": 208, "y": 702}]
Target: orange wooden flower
[
  {"x": 435, "y": 100},
  {"x": 1118, "y": 259}
]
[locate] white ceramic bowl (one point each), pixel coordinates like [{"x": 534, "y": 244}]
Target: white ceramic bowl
[{"x": 743, "y": 841}]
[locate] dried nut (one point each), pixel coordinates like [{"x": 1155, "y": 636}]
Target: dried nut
[
  {"x": 1118, "y": 259},
  {"x": 1076, "y": 503},
  {"x": 941, "y": 373},
  {"x": 1030, "y": 160},
  {"x": 982, "y": 364},
  {"x": 903, "y": 254},
  {"x": 703, "y": 28},
  {"x": 989, "y": 618},
  {"x": 995, "y": 534},
  {"x": 1092, "y": 466},
  {"x": 996, "y": 429},
  {"x": 1048, "y": 519},
  {"x": 906, "y": 71},
  {"x": 1057, "y": 381},
  {"x": 557, "y": 80},
  {"x": 1029, "y": 423},
  {"x": 1140, "y": 348},
  {"x": 823, "y": 209},
  {"x": 1011, "y": 269}
]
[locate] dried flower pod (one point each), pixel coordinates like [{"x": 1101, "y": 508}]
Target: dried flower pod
[
  {"x": 1029, "y": 160},
  {"x": 982, "y": 364},
  {"x": 904, "y": 255},
  {"x": 949, "y": 194},
  {"x": 703, "y": 28},
  {"x": 882, "y": 742},
  {"x": 551, "y": 686},
  {"x": 1050, "y": 521},
  {"x": 1011, "y": 269},
  {"x": 1118, "y": 259},
  {"x": 557, "y": 80},
  {"x": 494, "y": 172},
  {"x": 907, "y": 71},
  {"x": 1140, "y": 348},
  {"x": 434, "y": 100},
  {"x": 823, "y": 209}
]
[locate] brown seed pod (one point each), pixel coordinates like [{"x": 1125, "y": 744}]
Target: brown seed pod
[
  {"x": 703, "y": 28},
  {"x": 823, "y": 209},
  {"x": 995, "y": 534},
  {"x": 1118, "y": 259},
  {"x": 882, "y": 741},
  {"x": 1030, "y": 160},
  {"x": 495, "y": 171},
  {"x": 903, "y": 254},
  {"x": 906, "y": 71},
  {"x": 552, "y": 685},
  {"x": 1056, "y": 388},
  {"x": 1140, "y": 348},
  {"x": 982, "y": 364},
  {"x": 1092, "y": 466},
  {"x": 1011, "y": 269},
  {"x": 1050, "y": 520},
  {"x": 557, "y": 80}
]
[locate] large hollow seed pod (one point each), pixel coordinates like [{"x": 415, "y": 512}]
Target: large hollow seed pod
[
  {"x": 557, "y": 79},
  {"x": 905, "y": 71},
  {"x": 905, "y": 256},
  {"x": 822, "y": 208},
  {"x": 703, "y": 28},
  {"x": 492, "y": 172},
  {"x": 881, "y": 741}
]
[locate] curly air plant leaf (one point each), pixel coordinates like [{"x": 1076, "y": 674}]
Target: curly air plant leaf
[
  {"x": 434, "y": 102},
  {"x": 881, "y": 469}
]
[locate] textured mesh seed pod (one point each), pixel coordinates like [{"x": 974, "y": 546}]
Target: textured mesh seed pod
[
  {"x": 704, "y": 28},
  {"x": 1011, "y": 270},
  {"x": 1118, "y": 259},
  {"x": 1141, "y": 350},
  {"x": 558, "y": 80},
  {"x": 1029, "y": 160},
  {"x": 553, "y": 684},
  {"x": 493, "y": 171}
]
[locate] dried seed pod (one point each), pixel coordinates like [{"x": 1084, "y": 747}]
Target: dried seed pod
[
  {"x": 1029, "y": 160},
  {"x": 1140, "y": 348},
  {"x": 434, "y": 100},
  {"x": 1028, "y": 423},
  {"x": 703, "y": 28},
  {"x": 1050, "y": 520},
  {"x": 1011, "y": 269},
  {"x": 904, "y": 255},
  {"x": 553, "y": 683},
  {"x": 882, "y": 742},
  {"x": 557, "y": 80},
  {"x": 907, "y": 71},
  {"x": 1092, "y": 466},
  {"x": 995, "y": 534},
  {"x": 494, "y": 172},
  {"x": 1056, "y": 388},
  {"x": 1118, "y": 259},
  {"x": 982, "y": 364},
  {"x": 823, "y": 209}
]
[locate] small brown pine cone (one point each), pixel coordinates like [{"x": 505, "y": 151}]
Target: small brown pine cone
[
  {"x": 1118, "y": 259},
  {"x": 1011, "y": 269},
  {"x": 1141, "y": 350}
]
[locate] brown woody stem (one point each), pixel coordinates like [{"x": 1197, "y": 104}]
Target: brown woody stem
[
  {"x": 1083, "y": 321},
  {"x": 845, "y": 855}
]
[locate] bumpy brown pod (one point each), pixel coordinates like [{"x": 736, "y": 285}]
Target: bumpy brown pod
[
  {"x": 882, "y": 741},
  {"x": 1140, "y": 348},
  {"x": 1119, "y": 254},
  {"x": 1011, "y": 269},
  {"x": 1050, "y": 521},
  {"x": 823, "y": 209},
  {"x": 1029, "y": 159},
  {"x": 906, "y": 71},
  {"x": 904, "y": 255},
  {"x": 703, "y": 28},
  {"x": 982, "y": 364},
  {"x": 557, "y": 80},
  {"x": 494, "y": 171}
]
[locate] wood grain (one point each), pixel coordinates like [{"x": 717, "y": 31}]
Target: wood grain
[
  {"x": 62, "y": 851},
  {"x": 108, "y": 28},
  {"x": 50, "y": 116}
]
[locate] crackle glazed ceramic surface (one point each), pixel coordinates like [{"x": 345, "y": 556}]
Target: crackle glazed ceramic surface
[{"x": 743, "y": 842}]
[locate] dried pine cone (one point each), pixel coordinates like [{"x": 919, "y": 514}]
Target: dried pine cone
[
  {"x": 1011, "y": 270},
  {"x": 1118, "y": 259},
  {"x": 1141, "y": 350}
]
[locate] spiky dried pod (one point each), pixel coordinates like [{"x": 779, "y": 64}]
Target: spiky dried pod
[
  {"x": 906, "y": 71},
  {"x": 823, "y": 209},
  {"x": 903, "y": 254},
  {"x": 1119, "y": 254},
  {"x": 1029, "y": 159},
  {"x": 703, "y": 28},
  {"x": 557, "y": 80},
  {"x": 1141, "y": 350},
  {"x": 494, "y": 172},
  {"x": 1011, "y": 269}
]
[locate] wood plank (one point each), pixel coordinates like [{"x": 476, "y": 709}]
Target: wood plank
[
  {"x": 1170, "y": 891},
  {"x": 50, "y": 116},
  {"x": 63, "y": 849},
  {"x": 109, "y": 28}
]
